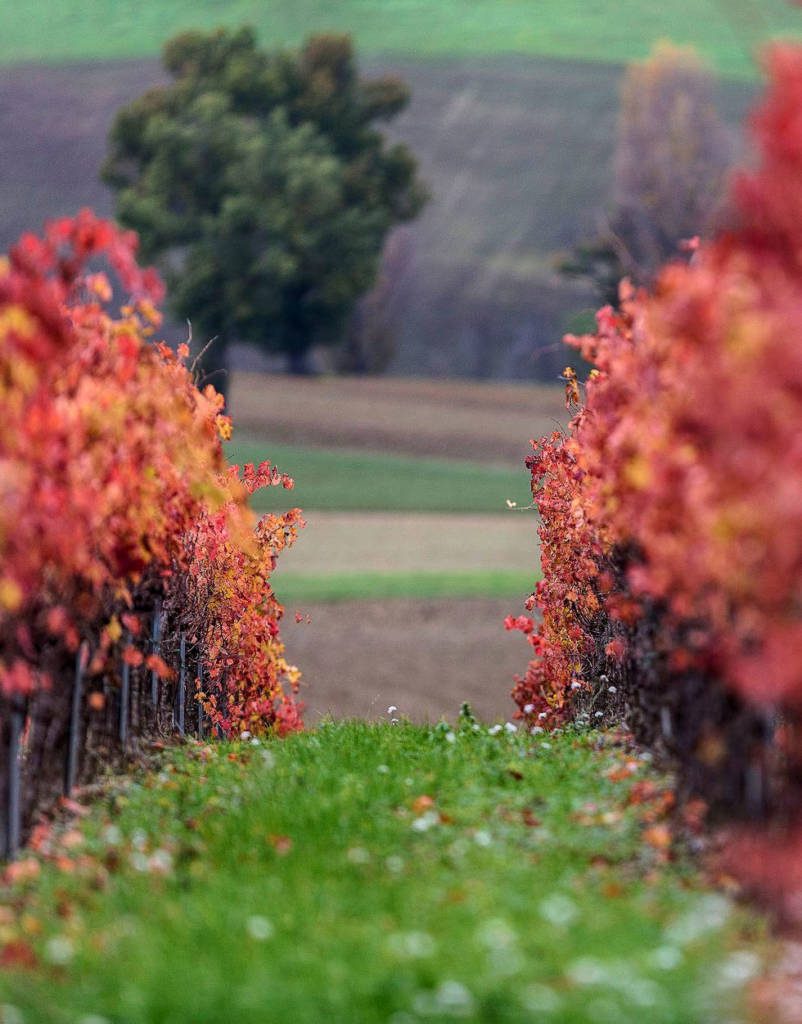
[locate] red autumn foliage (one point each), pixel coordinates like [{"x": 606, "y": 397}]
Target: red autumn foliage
[
  {"x": 671, "y": 546},
  {"x": 114, "y": 490}
]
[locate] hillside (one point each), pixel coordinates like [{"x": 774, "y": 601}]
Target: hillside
[{"x": 516, "y": 153}]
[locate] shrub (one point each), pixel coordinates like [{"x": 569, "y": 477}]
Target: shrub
[
  {"x": 672, "y": 554},
  {"x": 116, "y": 497}
]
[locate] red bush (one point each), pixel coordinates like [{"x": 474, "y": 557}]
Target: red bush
[
  {"x": 114, "y": 490},
  {"x": 672, "y": 551}
]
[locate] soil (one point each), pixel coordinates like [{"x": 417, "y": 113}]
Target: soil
[
  {"x": 424, "y": 657},
  {"x": 444, "y": 419}
]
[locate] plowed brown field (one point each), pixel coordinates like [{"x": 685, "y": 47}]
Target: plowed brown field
[
  {"x": 446, "y": 419},
  {"x": 425, "y": 657}
]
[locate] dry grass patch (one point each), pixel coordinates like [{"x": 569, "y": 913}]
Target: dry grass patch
[{"x": 340, "y": 542}]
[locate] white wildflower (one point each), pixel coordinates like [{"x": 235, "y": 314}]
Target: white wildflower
[
  {"x": 358, "y": 855},
  {"x": 454, "y": 1000},
  {"x": 411, "y": 945},
  {"x": 739, "y": 968},
  {"x": 259, "y": 928},
  {"x": 138, "y": 861},
  {"x": 426, "y": 821},
  {"x": 587, "y": 970},
  {"x": 160, "y": 862},
  {"x": 59, "y": 950},
  {"x": 541, "y": 999},
  {"x": 666, "y": 958},
  {"x": 559, "y": 910},
  {"x": 111, "y": 835}
]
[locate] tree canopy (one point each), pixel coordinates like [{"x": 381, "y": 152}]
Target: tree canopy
[
  {"x": 672, "y": 156},
  {"x": 261, "y": 186}
]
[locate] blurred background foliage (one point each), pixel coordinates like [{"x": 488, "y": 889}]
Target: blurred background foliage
[{"x": 513, "y": 118}]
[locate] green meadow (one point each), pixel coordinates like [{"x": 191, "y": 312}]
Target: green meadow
[
  {"x": 385, "y": 874},
  {"x": 727, "y": 32},
  {"x": 342, "y": 480}
]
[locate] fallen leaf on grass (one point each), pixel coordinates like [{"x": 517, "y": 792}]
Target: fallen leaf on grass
[
  {"x": 642, "y": 792},
  {"x": 22, "y": 871},
  {"x": 659, "y": 808},
  {"x": 30, "y": 925},
  {"x": 281, "y": 844},
  {"x": 658, "y": 836},
  {"x": 622, "y": 771},
  {"x": 16, "y": 954},
  {"x": 72, "y": 839},
  {"x": 74, "y": 807},
  {"x": 40, "y": 836}
]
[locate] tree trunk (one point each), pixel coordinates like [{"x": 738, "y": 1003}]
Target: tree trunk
[{"x": 298, "y": 362}]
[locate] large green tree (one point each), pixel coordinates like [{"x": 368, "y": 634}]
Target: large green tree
[{"x": 260, "y": 184}]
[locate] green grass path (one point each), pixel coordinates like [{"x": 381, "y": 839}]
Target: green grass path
[{"x": 374, "y": 873}]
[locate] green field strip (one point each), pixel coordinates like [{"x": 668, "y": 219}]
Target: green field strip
[
  {"x": 728, "y": 34},
  {"x": 359, "y": 481},
  {"x": 294, "y": 589}
]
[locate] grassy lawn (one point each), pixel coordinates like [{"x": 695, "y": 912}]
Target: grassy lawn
[
  {"x": 727, "y": 32},
  {"x": 359, "y": 481},
  {"x": 294, "y": 588},
  {"x": 373, "y": 874}
]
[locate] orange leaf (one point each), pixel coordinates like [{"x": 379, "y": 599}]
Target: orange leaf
[
  {"x": 658, "y": 836},
  {"x": 131, "y": 656},
  {"x": 281, "y": 844},
  {"x": 17, "y": 954}
]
